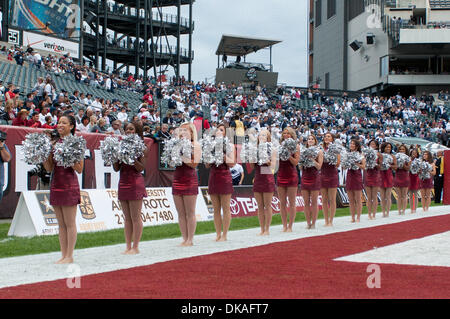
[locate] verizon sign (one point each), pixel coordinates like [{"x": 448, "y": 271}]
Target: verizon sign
[{"x": 50, "y": 44}]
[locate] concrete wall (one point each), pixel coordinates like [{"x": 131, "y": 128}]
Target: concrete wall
[
  {"x": 329, "y": 47},
  {"x": 362, "y": 74}
]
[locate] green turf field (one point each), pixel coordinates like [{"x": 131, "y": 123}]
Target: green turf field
[{"x": 17, "y": 246}]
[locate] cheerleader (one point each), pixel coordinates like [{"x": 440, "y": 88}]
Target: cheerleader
[
  {"x": 185, "y": 186},
  {"x": 131, "y": 193},
  {"x": 387, "y": 180},
  {"x": 354, "y": 183},
  {"x": 401, "y": 182},
  {"x": 426, "y": 185},
  {"x": 65, "y": 193},
  {"x": 414, "y": 184},
  {"x": 372, "y": 181},
  {"x": 329, "y": 178},
  {"x": 310, "y": 185},
  {"x": 287, "y": 182},
  {"x": 264, "y": 185},
  {"x": 220, "y": 189}
]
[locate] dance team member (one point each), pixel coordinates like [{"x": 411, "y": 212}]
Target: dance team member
[
  {"x": 354, "y": 183},
  {"x": 329, "y": 180},
  {"x": 65, "y": 193},
  {"x": 131, "y": 193},
  {"x": 426, "y": 185},
  {"x": 414, "y": 184},
  {"x": 402, "y": 182},
  {"x": 387, "y": 180},
  {"x": 372, "y": 181},
  {"x": 310, "y": 185},
  {"x": 185, "y": 185},
  {"x": 287, "y": 182},
  {"x": 264, "y": 185},
  {"x": 220, "y": 189}
]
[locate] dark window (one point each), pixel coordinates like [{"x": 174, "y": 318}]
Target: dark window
[
  {"x": 355, "y": 8},
  {"x": 327, "y": 81},
  {"x": 318, "y": 18},
  {"x": 331, "y": 8}
]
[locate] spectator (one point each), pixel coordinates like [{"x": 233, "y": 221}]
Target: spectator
[{"x": 5, "y": 156}]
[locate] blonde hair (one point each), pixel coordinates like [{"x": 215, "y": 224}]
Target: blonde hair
[
  {"x": 291, "y": 132},
  {"x": 192, "y": 129},
  {"x": 269, "y": 135}
]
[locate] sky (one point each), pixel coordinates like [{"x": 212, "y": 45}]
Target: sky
[{"x": 284, "y": 20}]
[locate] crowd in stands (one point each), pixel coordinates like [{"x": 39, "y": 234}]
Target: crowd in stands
[{"x": 364, "y": 116}]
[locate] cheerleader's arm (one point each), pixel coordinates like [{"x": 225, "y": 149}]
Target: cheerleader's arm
[
  {"x": 407, "y": 166},
  {"x": 230, "y": 159},
  {"x": 362, "y": 165},
  {"x": 338, "y": 163},
  {"x": 139, "y": 164},
  {"x": 394, "y": 162},
  {"x": 319, "y": 161},
  {"x": 49, "y": 164},
  {"x": 196, "y": 156},
  {"x": 433, "y": 169},
  {"x": 78, "y": 167},
  {"x": 294, "y": 159}
]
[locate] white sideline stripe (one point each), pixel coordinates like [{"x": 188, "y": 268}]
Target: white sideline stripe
[
  {"x": 427, "y": 251},
  {"x": 40, "y": 268}
]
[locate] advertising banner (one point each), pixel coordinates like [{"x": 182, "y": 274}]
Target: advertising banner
[
  {"x": 99, "y": 210},
  {"x": 60, "y": 18},
  {"x": 51, "y": 44}
]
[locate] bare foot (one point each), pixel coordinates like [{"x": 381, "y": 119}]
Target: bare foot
[
  {"x": 312, "y": 227},
  {"x": 289, "y": 230},
  {"x": 188, "y": 243},
  {"x": 59, "y": 261},
  {"x": 223, "y": 238},
  {"x": 284, "y": 229},
  {"x": 133, "y": 251},
  {"x": 261, "y": 233},
  {"x": 126, "y": 251},
  {"x": 353, "y": 221},
  {"x": 266, "y": 233},
  {"x": 218, "y": 238},
  {"x": 67, "y": 260},
  {"x": 358, "y": 220}
]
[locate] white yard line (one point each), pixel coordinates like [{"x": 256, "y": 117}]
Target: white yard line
[
  {"x": 427, "y": 251},
  {"x": 39, "y": 268}
]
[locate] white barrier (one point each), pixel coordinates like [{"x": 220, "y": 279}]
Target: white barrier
[{"x": 99, "y": 210}]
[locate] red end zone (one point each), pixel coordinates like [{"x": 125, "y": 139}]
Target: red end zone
[{"x": 301, "y": 268}]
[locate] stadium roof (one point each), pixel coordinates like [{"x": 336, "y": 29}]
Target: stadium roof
[{"x": 239, "y": 46}]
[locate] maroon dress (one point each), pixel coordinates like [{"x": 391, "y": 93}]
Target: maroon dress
[
  {"x": 287, "y": 175},
  {"x": 414, "y": 182},
  {"x": 264, "y": 181},
  {"x": 329, "y": 176},
  {"x": 354, "y": 181},
  {"x": 426, "y": 183},
  {"x": 310, "y": 179},
  {"x": 64, "y": 188},
  {"x": 387, "y": 178},
  {"x": 131, "y": 183},
  {"x": 185, "y": 181},
  {"x": 220, "y": 181},
  {"x": 401, "y": 178},
  {"x": 372, "y": 177}
]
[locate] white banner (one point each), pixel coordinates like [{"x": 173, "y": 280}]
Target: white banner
[
  {"x": 99, "y": 210},
  {"x": 50, "y": 44}
]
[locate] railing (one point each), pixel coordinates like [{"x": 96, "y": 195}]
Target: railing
[
  {"x": 120, "y": 9},
  {"x": 160, "y": 49}
]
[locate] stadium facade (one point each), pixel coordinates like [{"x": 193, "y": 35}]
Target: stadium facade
[
  {"x": 380, "y": 46},
  {"x": 137, "y": 34}
]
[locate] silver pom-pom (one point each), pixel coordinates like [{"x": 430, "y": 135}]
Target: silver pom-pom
[
  {"x": 308, "y": 155},
  {"x": 331, "y": 154},
  {"x": 69, "y": 151},
  {"x": 371, "y": 156},
  {"x": 264, "y": 153},
  {"x": 351, "y": 159},
  {"x": 131, "y": 147},
  {"x": 109, "y": 148},
  {"x": 174, "y": 151},
  {"x": 287, "y": 148},
  {"x": 36, "y": 148},
  {"x": 402, "y": 159},
  {"x": 425, "y": 170},
  {"x": 249, "y": 152},
  {"x": 222, "y": 146},
  {"x": 387, "y": 162},
  {"x": 415, "y": 166}
]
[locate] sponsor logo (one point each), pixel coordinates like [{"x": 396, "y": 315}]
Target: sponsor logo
[
  {"x": 251, "y": 74},
  {"x": 86, "y": 208},
  {"x": 47, "y": 210},
  {"x": 54, "y": 47},
  {"x": 234, "y": 207}
]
